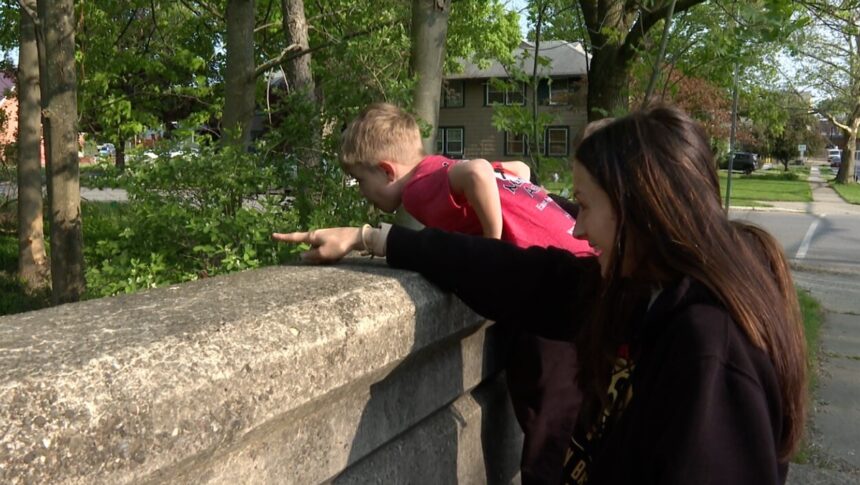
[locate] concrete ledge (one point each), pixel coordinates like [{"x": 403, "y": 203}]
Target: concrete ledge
[{"x": 280, "y": 375}]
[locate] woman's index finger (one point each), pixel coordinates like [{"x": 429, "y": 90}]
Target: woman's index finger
[{"x": 292, "y": 237}]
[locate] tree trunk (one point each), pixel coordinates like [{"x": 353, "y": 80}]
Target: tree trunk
[
  {"x": 300, "y": 78},
  {"x": 845, "y": 175},
  {"x": 429, "y": 34},
  {"x": 239, "y": 92},
  {"x": 616, "y": 30},
  {"x": 32, "y": 260},
  {"x": 535, "y": 136},
  {"x": 59, "y": 119},
  {"x": 608, "y": 83},
  {"x": 119, "y": 161}
]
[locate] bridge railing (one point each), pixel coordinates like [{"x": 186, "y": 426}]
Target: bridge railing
[{"x": 354, "y": 373}]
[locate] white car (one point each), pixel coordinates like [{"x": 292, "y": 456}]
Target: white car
[
  {"x": 107, "y": 150},
  {"x": 834, "y": 157}
]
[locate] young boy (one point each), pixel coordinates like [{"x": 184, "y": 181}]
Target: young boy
[{"x": 382, "y": 150}]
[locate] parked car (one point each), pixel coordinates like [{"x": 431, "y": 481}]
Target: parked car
[
  {"x": 834, "y": 157},
  {"x": 745, "y": 162},
  {"x": 107, "y": 150}
]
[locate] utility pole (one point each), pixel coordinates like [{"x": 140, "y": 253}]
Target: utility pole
[
  {"x": 732, "y": 137},
  {"x": 734, "y": 129}
]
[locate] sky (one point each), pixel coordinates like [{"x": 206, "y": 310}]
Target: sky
[
  {"x": 519, "y": 6},
  {"x": 13, "y": 54}
]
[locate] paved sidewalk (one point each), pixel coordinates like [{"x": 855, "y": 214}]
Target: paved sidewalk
[
  {"x": 10, "y": 190},
  {"x": 834, "y": 436},
  {"x": 825, "y": 200}
]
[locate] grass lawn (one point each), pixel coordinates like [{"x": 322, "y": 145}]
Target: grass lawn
[
  {"x": 759, "y": 188},
  {"x": 558, "y": 187},
  {"x": 849, "y": 192},
  {"x": 564, "y": 186},
  {"x": 754, "y": 190},
  {"x": 812, "y": 318}
]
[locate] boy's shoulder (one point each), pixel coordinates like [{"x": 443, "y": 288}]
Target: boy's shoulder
[
  {"x": 428, "y": 189},
  {"x": 432, "y": 163},
  {"x": 430, "y": 167}
]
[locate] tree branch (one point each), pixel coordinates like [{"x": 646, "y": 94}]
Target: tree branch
[
  {"x": 189, "y": 7},
  {"x": 30, "y": 13},
  {"x": 295, "y": 51},
  {"x": 262, "y": 68},
  {"x": 646, "y": 20},
  {"x": 656, "y": 72},
  {"x": 832, "y": 119},
  {"x": 824, "y": 61},
  {"x": 206, "y": 6},
  {"x": 266, "y": 26},
  {"x": 125, "y": 28}
]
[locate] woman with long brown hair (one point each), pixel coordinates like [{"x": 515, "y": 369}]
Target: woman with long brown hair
[{"x": 692, "y": 356}]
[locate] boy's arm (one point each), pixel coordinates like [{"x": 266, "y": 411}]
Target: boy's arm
[
  {"x": 519, "y": 169},
  {"x": 476, "y": 181}
]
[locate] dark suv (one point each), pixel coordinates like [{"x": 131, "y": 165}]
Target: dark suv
[{"x": 745, "y": 162}]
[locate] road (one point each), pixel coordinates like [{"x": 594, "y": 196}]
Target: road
[{"x": 815, "y": 241}]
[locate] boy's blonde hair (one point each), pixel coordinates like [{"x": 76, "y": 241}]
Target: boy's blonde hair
[{"x": 382, "y": 131}]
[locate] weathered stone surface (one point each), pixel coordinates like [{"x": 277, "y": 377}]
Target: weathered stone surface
[
  {"x": 812, "y": 475},
  {"x": 280, "y": 375},
  {"x": 474, "y": 440}
]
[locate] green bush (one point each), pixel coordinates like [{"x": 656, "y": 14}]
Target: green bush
[
  {"x": 14, "y": 297},
  {"x": 776, "y": 175},
  {"x": 102, "y": 174},
  {"x": 189, "y": 216},
  {"x": 197, "y": 212}
]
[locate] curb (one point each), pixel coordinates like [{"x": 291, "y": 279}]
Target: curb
[
  {"x": 810, "y": 268},
  {"x": 766, "y": 209}
]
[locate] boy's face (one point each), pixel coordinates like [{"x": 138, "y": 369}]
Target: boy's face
[{"x": 378, "y": 185}]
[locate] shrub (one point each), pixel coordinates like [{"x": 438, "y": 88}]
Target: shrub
[
  {"x": 778, "y": 175},
  {"x": 189, "y": 216}
]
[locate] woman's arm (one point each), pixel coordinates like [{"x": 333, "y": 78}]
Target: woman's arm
[{"x": 547, "y": 288}]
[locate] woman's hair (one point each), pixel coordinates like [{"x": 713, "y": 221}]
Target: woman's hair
[{"x": 658, "y": 170}]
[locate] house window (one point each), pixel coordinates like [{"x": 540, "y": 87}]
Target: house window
[
  {"x": 517, "y": 96},
  {"x": 450, "y": 141},
  {"x": 453, "y": 94},
  {"x": 561, "y": 91},
  {"x": 515, "y": 144},
  {"x": 494, "y": 94},
  {"x": 556, "y": 140}
]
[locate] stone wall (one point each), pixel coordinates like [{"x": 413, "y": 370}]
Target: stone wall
[{"x": 348, "y": 374}]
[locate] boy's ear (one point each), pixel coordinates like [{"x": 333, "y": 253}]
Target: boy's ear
[{"x": 388, "y": 168}]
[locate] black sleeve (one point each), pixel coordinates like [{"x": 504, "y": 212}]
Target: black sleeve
[{"x": 543, "y": 288}]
